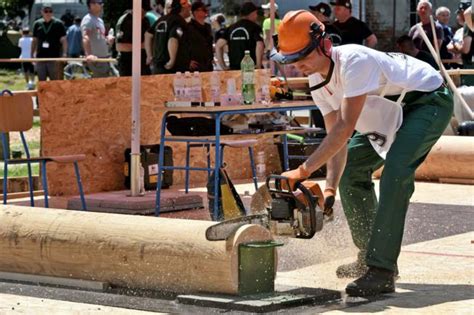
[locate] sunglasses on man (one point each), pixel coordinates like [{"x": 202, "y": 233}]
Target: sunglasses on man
[{"x": 48, "y": 11}]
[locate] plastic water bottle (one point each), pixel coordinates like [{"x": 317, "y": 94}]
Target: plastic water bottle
[
  {"x": 261, "y": 170},
  {"x": 215, "y": 87},
  {"x": 265, "y": 79},
  {"x": 188, "y": 84},
  {"x": 247, "y": 201},
  {"x": 178, "y": 86},
  {"x": 197, "y": 87},
  {"x": 247, "y": 67}
]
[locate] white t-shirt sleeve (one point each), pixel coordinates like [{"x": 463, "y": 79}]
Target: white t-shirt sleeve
[
  {"x": 361, "y": 74},
  {"x": 322, "y": 104}
]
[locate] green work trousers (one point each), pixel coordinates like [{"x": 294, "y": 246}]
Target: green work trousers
[{"x": 377, "y": 226}]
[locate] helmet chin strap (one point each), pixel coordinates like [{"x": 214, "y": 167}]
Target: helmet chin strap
[{"x": 328, "y": 75}]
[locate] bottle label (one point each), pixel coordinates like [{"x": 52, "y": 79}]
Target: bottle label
[{"x": 248, "y": 77}]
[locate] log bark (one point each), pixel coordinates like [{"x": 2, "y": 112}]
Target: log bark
[{"x": 127, "y": 251}]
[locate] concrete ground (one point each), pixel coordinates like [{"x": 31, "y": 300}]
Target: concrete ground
[{"x": 436, "y": 267}]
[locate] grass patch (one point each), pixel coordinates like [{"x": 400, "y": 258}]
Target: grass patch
[
  {"x": 33, "y": 146},
  {"x": 12, "y": 80},
  {"x": 19, "y": 170}
]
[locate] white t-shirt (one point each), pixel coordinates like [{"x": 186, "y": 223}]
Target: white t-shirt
[
  {"x": 25, "y": 44},
  {"x": 360, "y": 70}
]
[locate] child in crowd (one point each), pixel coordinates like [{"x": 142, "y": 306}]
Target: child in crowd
[{"x": 28, "y": 69}]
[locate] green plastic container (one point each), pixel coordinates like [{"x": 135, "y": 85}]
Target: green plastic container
[{"x": 257, "y": 267}]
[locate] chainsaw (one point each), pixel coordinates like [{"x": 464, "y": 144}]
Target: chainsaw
[{"x": 295, "y": 213}]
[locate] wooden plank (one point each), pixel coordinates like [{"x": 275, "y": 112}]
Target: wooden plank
[
  {"x": 24, "y": 194},
  {"x": 31, "y": 93},
  {"x": 56, "y": 281},
  {"x": 453, "y": 72}
]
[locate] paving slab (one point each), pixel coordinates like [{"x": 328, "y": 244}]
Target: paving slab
[
  {"x": 264, "y": 302},
  {"x": 436, "y": 277}
]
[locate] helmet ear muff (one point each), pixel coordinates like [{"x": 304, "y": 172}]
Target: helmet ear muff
[
  {"x": 318, "y": 34},
  {"x": 326, "y": 45}
]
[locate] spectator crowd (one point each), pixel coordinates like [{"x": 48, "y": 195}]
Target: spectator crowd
[{"x": 180, "y": 36}]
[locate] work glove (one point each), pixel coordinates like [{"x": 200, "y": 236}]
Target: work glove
[
  {"x": 329, "y": 199},
  {"x": 294, "y": 176}
]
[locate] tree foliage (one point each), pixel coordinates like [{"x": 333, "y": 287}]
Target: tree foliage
[{"x": 15, "y": 5}]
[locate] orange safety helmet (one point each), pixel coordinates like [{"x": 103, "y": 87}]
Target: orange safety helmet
[{"x": 299, "y": 33}]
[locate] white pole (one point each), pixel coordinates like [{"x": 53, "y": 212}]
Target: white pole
[
  {"x": 272, "y": 31},
  {"x": 435, "y": 40},
  {"x": 272, "y": 22},
  {"x": 136, "y": 88}
]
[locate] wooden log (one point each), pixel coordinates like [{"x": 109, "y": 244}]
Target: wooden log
[
  {"x": 451, "y": 157},
  {"x": 122, "y": 250}
]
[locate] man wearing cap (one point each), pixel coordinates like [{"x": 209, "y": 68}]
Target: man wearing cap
[
  {"x": 353, "y": 30},
  {"x": 49, "y": 41},
  {"x": 167, "y": 41},
  {"x": 201, "y": 39},
  {"x": 266, "y": 25},
  {"x": 358, "y": 88},
  {"x": 124, "y": 40},
  {"x": 95, "y": 39},
  {"x": 243, "y": 35},
  {"x": 322, "y": 12}
]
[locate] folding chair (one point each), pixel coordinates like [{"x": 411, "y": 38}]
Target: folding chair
[{"x": 16, "y": 115}]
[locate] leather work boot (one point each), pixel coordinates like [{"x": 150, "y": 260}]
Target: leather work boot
[
  {"x": 376, "y": 281},
  {"x": 353, "y": 270}
]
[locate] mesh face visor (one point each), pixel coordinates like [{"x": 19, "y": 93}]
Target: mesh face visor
[{"x": 292, "y": 58}]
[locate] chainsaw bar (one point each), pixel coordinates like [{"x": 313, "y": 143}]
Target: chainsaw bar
[{"x": 223, "y": 230}]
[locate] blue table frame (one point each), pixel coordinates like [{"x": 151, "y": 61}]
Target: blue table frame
[{"x": 218, "y": 112}]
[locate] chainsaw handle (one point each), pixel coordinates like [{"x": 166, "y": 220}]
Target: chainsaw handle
[{"x": 277, "y": 187}]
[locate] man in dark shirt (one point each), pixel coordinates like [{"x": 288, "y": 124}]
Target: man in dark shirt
[
  {"x": 200, "y": 36},
  {"x": 167, "y": 41},
  {"x": 49, "y": 41},
  {"x": 353, "y": 31},
  {"x": 424, "y": 10},
  {"x": 322, "y": 11},
  {"x": 243, "y": 35},
  {"x": 124, "y": 41},
  {"x": 407, "y": 46}
]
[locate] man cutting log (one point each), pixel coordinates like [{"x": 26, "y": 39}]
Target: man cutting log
[{"x": 398, "y": 106}]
